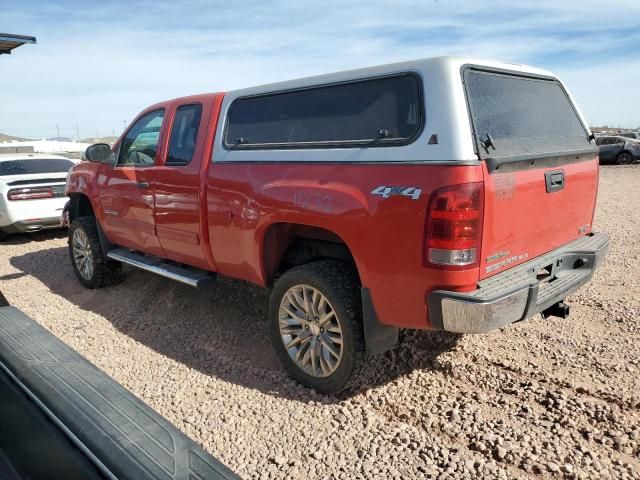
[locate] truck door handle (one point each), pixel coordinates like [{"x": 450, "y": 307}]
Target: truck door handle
[
  {"x": 554, "y": 180},
  {"x": 142, "y": 185},
  {"x": 557, "y": 179}
]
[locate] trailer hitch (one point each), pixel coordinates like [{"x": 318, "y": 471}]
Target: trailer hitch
[{"x": 559, "y": 309}]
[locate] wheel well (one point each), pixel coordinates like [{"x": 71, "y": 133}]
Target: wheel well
[
  {"x": 288, "y": 245},
  {"x": 80, "y": 206}
]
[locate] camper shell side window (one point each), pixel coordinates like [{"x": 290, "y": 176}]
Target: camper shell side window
[{"x": 373, "y": 112}]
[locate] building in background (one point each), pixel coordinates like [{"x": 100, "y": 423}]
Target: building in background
[
  {"x": 43, "y": 146},
  {"x": 9, "y": 42}
]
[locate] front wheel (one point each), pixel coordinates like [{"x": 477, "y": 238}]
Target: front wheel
[
  {"x": 624, "y": 158},
  {"x": 91, "y": 265},
  {"x": 315, "y": 319}
]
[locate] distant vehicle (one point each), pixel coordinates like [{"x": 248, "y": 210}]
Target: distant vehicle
[
  {"x": 618, "y": 149},
  {"x": 369, "y": 200},
  {"x": 32, "y": 191},
  {"x": 634, "y": 135}
]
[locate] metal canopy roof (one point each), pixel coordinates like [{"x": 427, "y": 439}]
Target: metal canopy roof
[{"x": 8, "y": 41}]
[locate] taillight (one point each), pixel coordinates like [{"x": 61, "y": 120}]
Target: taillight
[
  {"x": 454, "y": 226},
  {"x": 30, "y": 193}
]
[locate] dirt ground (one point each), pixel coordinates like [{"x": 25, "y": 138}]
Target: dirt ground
[{"x": 541, "y": 399}]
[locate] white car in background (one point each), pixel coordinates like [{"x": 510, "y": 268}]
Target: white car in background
[{"x": 32, "y": 193}]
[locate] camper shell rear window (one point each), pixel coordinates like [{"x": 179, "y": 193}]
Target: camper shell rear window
[
  {"x": 517, "y": 115},
  {"x": 373, "y": 112}
]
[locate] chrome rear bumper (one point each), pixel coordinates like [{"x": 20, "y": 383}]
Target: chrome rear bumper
[{"x": 517, "y": 293}]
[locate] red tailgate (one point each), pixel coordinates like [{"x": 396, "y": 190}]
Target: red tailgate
[{"x": 522, "y": 220}]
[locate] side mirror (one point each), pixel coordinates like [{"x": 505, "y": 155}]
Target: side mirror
[{"x": 98, "y": 152}]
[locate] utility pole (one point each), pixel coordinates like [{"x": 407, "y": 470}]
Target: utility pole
[
  {"x": 77, "y": 132},
  {"x": 124, "y": 125},
  {"x": 58, "y": 128}
]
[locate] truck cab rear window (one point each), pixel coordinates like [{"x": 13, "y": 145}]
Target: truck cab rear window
[
  {"x": 376, "y": 112},
  {"x": 184, "y": 134},
  {"x": 515, "y": 116}
]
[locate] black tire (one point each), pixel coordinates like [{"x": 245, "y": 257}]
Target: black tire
[
  {"x": 624, "y": 158},
  {"x": 105, "y": 271},
  {"x": 339, "y": 283}
]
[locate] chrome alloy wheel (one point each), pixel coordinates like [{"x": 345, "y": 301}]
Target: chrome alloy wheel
[
  {"x": 82, "y": 254},
  {"x": 310, "y": 330}
]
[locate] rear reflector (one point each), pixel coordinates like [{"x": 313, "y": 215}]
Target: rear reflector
[
  {"x": 454, "y": 226},
  {"x": 30, "y": 193}
]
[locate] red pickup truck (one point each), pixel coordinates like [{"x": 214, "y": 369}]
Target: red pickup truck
[{"x": 443, "y": 193}]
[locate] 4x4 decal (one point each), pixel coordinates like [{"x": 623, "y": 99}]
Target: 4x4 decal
[{"x": 386, "y": 192}]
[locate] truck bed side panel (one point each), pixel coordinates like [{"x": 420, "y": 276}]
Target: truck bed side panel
[{"x": 385, "y": 235}]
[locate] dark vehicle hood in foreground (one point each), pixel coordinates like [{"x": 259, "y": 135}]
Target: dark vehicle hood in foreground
[{"x": 119, "y": 435}]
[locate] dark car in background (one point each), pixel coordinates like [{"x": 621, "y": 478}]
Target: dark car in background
[{"x": 617, "y": 149}]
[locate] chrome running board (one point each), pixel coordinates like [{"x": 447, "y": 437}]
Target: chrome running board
[{"x": 188, "y": 276}]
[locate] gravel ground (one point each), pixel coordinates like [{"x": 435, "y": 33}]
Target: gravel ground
[{"x": 541, "y": 399}]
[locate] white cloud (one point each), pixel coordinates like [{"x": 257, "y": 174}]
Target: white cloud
[{"x": 99, "y": 65}]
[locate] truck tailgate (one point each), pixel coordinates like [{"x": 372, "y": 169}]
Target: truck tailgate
[
  {"x": 540, "y": 165},
  {"x": 524, "y": 217}
]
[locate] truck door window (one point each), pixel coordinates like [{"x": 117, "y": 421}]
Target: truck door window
[
  {"x": 140, "y": 145},
  {"x": 184, "y": 133}
]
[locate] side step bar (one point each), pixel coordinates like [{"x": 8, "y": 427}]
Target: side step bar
[{"x": 194, "y": 278}]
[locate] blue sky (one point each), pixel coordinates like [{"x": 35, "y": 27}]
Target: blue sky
[{"x": 96, "y": 66}]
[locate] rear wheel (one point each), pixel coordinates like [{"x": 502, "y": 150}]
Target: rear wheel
[
  {"x": 91, "y": 265},
  {"x": 315, "y": 318},
  {"x": 624, "y": 158}
]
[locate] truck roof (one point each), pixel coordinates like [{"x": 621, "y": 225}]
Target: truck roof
[
  {"x": 445, "y": 107},
  {"x": 444, "y": 95},
  {"x": 426, "y": 66}
]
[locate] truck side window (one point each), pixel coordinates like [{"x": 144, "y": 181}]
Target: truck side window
[
  {"x": 184, "y": 134},
  {"x": 140, "y": 145}
]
